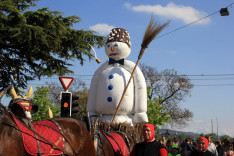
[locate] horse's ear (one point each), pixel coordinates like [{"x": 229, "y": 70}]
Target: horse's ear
[
  {"x": 29, "y": 93},
  {"x": 2, "y": 93},
  {"x": 13, "y": 93},
  {"x": 50, "y": 113}
]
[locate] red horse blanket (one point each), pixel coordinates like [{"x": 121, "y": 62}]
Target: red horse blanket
[
  {"x": 42, "y": 128},
  {"x": 117, "y": 143}
]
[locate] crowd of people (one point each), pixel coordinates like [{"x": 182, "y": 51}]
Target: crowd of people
[
  {"x": 188, "y": 147},
  {"x": 203, "y": 146}
]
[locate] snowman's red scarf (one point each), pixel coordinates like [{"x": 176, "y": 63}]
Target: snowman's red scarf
[
  {"x": 46, "y": 129},
  {"x": 117, "y": 142}
]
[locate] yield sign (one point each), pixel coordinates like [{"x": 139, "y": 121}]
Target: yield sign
[{"x": 66, "y": 81}]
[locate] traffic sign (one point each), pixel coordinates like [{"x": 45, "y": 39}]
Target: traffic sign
[{"x": 66, "y": 81}]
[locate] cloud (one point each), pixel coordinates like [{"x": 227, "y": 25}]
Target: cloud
[
  {"x": 172, "y": 11},
  {"x": 102, "y": 28}
]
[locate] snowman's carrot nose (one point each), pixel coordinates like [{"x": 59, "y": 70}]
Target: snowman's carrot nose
[{"x": 112, "y": 49}]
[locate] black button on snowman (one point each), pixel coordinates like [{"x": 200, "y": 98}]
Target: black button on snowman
[{"x": 110, "y": 80}]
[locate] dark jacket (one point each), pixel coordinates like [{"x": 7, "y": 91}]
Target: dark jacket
[
  {"x": 206, "y": 153},
  {"x": 148, "y": 149}
]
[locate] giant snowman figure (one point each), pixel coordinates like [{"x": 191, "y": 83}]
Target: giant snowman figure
[{"x": 110, "y": 80}]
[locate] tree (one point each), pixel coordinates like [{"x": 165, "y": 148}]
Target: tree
[
  {"x": 156, "y": 113},
  {"x": 41, "y": 98},
  {"x": 225, "y": 137},
  {"x": 202, "y": 135},
  {"x": 213, "y": 136},
  {"x": 39, "y": 43},
  {"x": 182, "y": 137},
  {"x": 171, "y": 89}
]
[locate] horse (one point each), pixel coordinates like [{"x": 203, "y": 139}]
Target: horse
[
  {"x": 75, "y": 136},
  {"x": 105, "y": 134}
]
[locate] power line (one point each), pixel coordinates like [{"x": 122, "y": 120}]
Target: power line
[
  {"x": 188, "y": 75},
  {"x": 88, "y": 84},
  {"x": 190, "y": 23},
  {"x": 215, "y": 79},
  {"x": 186, "y": 25},
  {"x": 215, "y": 85}
]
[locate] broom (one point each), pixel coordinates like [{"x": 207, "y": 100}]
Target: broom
[{"x": 151, "y": 32}]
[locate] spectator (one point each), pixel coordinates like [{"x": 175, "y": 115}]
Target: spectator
[
  {"x": 164, "y": 141},
  {"x": 168, "y": 145},
  {"x": 194, "y": 144},
  {"x": 174, "y": 150},
  {"x": 183, "y": 149},
  {"x": 189, "y": 147},
  {"x": 219, "y": 148},
  {"x": 211, "y": 147},
  {"x": 201, "y": 148},
  {"x": 232, "y": 142},
  {"x": 150, "y": 147},
  {"x": 175, "y": 141},
  {"x": 228, "y": 150}
]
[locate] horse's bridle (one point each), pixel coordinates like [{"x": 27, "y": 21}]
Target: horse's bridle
[{"x": 98, "y": 137}]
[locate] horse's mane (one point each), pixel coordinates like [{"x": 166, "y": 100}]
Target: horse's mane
[{"x": 134, "y": 132}]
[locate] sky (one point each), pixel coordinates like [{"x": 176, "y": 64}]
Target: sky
[{"x": 198, "y": 43}]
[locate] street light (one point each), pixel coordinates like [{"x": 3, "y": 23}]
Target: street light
[{"x": 224, "y": 12}]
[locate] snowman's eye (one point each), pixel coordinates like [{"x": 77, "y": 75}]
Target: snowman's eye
[
  {"x": 115, "y": 44},
  {"x": 108, "y": 45}
]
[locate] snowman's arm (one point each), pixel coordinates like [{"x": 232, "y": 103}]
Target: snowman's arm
[
  {"x": 140, "y": 97},
  {"x": 91, "y": 104}
]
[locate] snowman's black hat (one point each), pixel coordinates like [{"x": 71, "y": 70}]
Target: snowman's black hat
[{"x": 119, "y": 35}]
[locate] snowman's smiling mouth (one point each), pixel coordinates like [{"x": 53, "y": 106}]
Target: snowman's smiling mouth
[{"x": 113, "y": 54}]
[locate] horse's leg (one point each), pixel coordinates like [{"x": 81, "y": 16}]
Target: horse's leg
[{"x": 78, "y": 138}]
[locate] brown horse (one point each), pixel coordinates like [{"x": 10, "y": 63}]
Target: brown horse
[
  {"x": 104, "y": 147},
  {"x": 77, "y": 140}
]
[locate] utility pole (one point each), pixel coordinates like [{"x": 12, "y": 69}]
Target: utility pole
[
  {"x": 217, "y": 127},
  {"x": 212, "y": 125}
]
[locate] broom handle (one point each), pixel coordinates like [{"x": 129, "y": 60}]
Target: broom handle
[{"x": 125, "y": 90}]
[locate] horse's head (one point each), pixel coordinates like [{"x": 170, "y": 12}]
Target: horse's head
[{"x": 21, "y": 106}]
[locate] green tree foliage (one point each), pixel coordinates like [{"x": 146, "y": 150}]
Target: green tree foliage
[
  {"x": 182, "y": 137},
  {"x": 39, "y": 43},
  {"x": 41, "y": 98},
  {"x": 202, "y": 135},
  {"x": 224, "y": 137},
  {"x": 156, "y": 112},
  {"x": 213, "y": 137}
]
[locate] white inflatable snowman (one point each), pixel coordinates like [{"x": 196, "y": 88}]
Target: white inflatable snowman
[{"x": 110, "y": 80}]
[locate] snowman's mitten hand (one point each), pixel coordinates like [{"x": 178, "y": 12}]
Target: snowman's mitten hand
[{"x": 140, "y": 117}]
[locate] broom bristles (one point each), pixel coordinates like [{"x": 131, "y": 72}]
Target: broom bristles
[{"x": 152, "y": 31}]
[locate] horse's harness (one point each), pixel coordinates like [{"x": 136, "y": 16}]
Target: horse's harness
[
  {"x": 97, "y": 136},
  {"x": 28, "y": 124}
]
